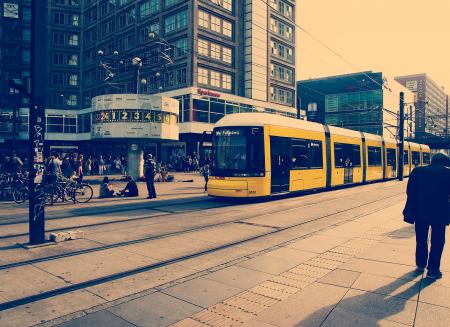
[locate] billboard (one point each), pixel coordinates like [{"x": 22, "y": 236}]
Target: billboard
[{"x": 10, "y": 10}]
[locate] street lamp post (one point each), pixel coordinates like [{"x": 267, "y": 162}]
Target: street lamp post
[{"x": 137, "y": 62}]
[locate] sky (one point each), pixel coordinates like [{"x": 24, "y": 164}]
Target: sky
[{"x": 397, "y": 37}]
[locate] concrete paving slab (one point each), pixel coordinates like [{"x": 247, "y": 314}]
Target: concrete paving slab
[
  {"x": 227, "y": 233},
  {"x": 318, "y": 243},
  {"x": 340, "y": 317},
  {"x": 381, "y": 268},
  {"x": 432, "y": 315},
  {"x": 101, "y": 318},
  {"x": 25, "y": 281},
  {"x": 202, "y": 291},
  {"x": 92, "y": 265},
  {"x": 48, "y": 309},
  {"x": 239, "y": 277},
  {"x": 156, "y": 309},
  {"x": 433, "y": 293},
  {"x": 309, "y": 307},
  {"x": 339, "y": 277},
  {"x": 267, "y": 264},
  {"x": 140, "y": 282},
  {"x": 381, "y": 307},
  {"x": 169, "y": 247},
  {"x": 291, "y": 255},
  {"x": 217, "y": 258},
  {"x": 388, "y": 252},
  {"x": 403, "y": 288}
]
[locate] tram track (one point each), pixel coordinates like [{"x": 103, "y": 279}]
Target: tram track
[
  {"x": 154, "y": 208},
  {"x": 130, "y": 272}
]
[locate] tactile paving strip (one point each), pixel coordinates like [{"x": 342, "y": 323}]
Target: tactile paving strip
[{"x": 235, "y": 311}]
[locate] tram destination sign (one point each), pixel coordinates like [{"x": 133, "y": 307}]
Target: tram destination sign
[{"x": 134, "y": 116}]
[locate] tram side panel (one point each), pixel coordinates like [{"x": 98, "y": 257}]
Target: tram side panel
[
  {"x": 307, "y": 157},
  {"x": 346, "y": 160},
  {"x": 374, "y": 159}
]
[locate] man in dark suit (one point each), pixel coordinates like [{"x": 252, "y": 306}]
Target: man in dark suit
[{"x": 427, "y": 207}]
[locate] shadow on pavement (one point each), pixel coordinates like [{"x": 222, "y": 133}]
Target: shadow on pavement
[{"x": 370, "y": 308}]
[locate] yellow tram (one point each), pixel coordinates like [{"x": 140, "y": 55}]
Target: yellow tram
[{"x": 259, "y": 154}]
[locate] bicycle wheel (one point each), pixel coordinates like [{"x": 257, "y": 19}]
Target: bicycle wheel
[
  {"x": 20, "y": 194},
  {"x": 83, "y": 193}
]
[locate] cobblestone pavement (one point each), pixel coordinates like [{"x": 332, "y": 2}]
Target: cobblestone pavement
[{"x": 340, "y": 258}]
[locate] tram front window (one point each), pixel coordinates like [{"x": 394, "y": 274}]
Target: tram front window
[{"x": 238, "y": 151}]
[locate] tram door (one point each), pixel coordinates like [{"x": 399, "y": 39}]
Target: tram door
[
  {"x": 280, "y": 149},
  {"x": 348, "y": 175}
]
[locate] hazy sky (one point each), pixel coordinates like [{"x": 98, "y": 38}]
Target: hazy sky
[{"x": 397, "y": 37}]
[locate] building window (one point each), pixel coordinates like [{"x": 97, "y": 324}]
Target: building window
[
  {"x": 214, "y": 51},
  {"x": 58, "y": 18},
  {"x": 72, "y": 100},
  {"x": 74, "y": 20},
  {"x": 73, "y": 39},
  {"x": 203, "y": 47},
  {"x": 175, "y": 22},
  {"x": 282, "y": 73},
  {"x": 181, "y": 76},
  {"x": 282, "y": 96},
  {"x": 180, "y": 48},
  {"x": 170, "y": 3},
  {"x": 281, "y": 29},
  {"x": 214, "y": 78},
  {"x": 58, "y": 59},
  {"x": 281, "y": 51},
  {"x": 58, "y": 38},
  {"x": 26, "y": 56},
  {"x": 215, "y": 24},
  {"x": 202, "y": 76},
  {"x": 70, "y": 124},
  {"x": 225, "y": 4},
  {"x": 26, "y": 34},
  {"x": 73, "y": 79},
  {"x": 26, "y": 14},
  {"x": 149, "y": 7},
  {"x": 282, "y": 7},
  {"x": 73, "y": 60}
]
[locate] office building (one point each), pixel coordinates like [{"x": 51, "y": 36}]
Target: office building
[
  {"x": 366, "y": 101},
  {"x": 215, "y": 56},
  {"x": 431, "y": 114}
]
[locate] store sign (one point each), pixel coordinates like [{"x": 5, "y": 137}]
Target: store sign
[
  {"x": 10, "y": 10},
  {"x": 208, "y": 93},
  {"x": 412, "y": 86}
]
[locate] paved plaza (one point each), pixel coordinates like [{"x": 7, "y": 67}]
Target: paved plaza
[{"x": 339, "y": 258}]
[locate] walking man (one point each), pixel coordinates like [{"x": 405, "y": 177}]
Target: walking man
[
  {"x": 150, "y": 172},
  {"x": 427, "y": 207}
]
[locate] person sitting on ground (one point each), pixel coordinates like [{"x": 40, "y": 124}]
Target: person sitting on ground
[
  {"x": 131, "y": 189},
  {"x": 106, "y": 190}
]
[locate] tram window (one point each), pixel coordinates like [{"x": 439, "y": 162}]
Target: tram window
[
  {"x": 415, "y": 158},
  {"x": 405, "y": 157},
  {"x": 374, "y": 156},
  {"x": 300, "y": 155},
  {"x": 391, "y": 157},
  {"x": 356, "y": 156},
  {"x": 338, "y": 155},
  {"x": 426, "y": 158},
  {"x": 306, "y": 154},
  {"x": 316, "y": 157},
  {"x": 347, "y": 155}
]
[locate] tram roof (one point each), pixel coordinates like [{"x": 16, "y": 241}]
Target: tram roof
[{"x": 262, "y": 119}]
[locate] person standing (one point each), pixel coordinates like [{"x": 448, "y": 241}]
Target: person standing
[
  {"x": 149, "y": 173},
  {"x": 427, "y": 207},
  {"x": 80, "y": 169},
  {"x": 205, "y": 172}
]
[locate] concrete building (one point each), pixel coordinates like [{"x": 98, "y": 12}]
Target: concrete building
[
  {"x": 215, "y": 56},
  {"x": 431, "y": 114},
  {"x": 366, "y": 101}
]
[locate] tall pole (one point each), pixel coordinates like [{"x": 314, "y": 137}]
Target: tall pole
[
  {"x": 401, "y": 135},
  {"x": 299, "y": 108},
  {"x": 36, "y": 127}
]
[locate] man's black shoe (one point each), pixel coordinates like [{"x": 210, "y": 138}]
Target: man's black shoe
[{"x": 434, "y": 274}]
